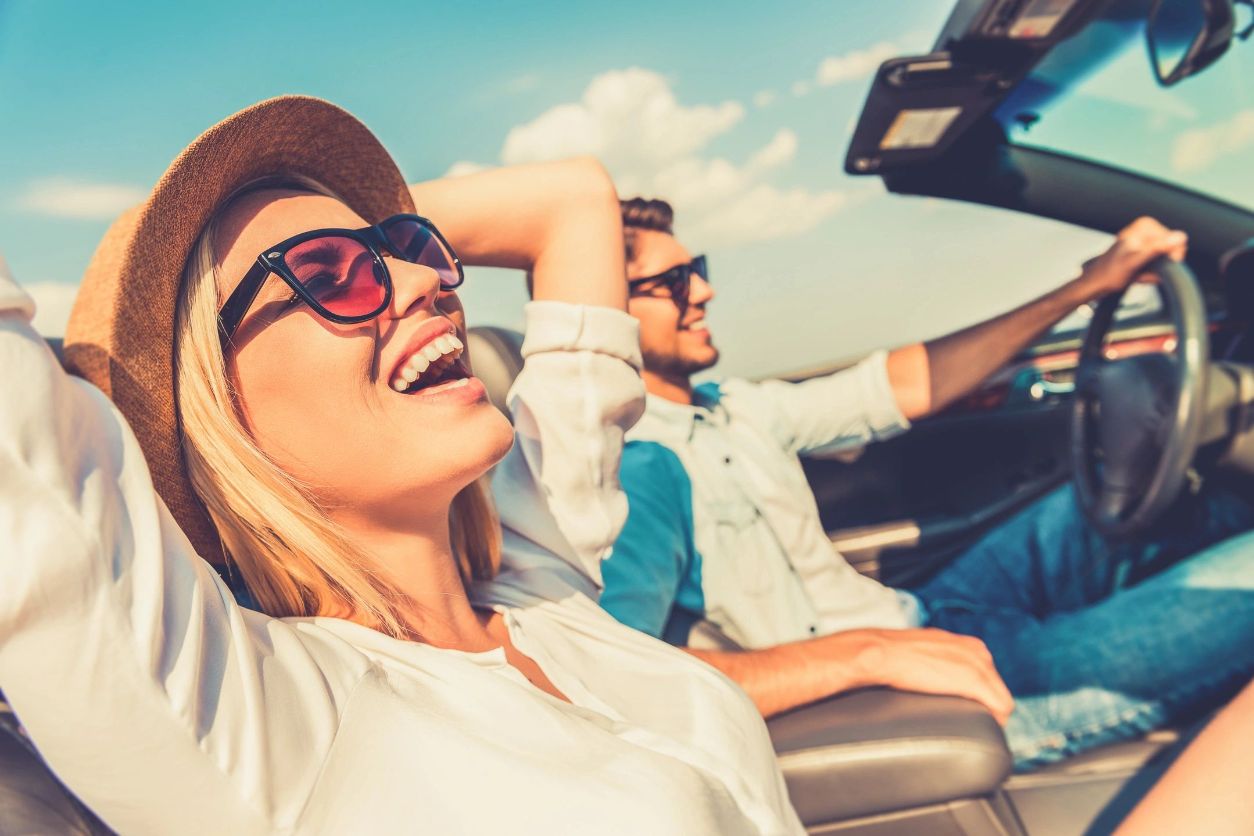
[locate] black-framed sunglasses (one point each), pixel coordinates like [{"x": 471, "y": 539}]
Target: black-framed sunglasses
[
  {"x": 340, "y": 273},
  {"x": 678, "y": 280}
]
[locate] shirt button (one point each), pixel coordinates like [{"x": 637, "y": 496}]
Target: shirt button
[
  {"x": 726, "y": 459},
  {"x": 813, "y": 630}
]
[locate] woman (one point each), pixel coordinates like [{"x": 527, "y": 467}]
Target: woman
[
  {"x": 1208, "y": 790},
  {"x": 308, "y": 374}
]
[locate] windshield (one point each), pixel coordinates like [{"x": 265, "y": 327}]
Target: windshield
[{"x": 1095, "y": 96}]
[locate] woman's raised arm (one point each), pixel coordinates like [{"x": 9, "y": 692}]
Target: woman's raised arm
[
  {"x": 558, "y": 220},
  {"x": 163, "y": 704},
  {"x": 580, "y": 387}
]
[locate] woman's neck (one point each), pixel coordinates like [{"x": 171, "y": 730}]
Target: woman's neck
[
  {"x": 419, "y": 560},
  {"x": 420, "y": 563}
]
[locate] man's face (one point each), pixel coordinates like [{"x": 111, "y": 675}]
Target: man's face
[{"x": 673, "y": 338}]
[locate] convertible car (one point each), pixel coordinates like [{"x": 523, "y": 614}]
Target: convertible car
[
  {"x": 1043, "y": 107},
  {"x": 1048, "y": 108}
]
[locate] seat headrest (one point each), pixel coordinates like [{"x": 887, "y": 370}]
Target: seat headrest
[{"x": 496, "y": 355}]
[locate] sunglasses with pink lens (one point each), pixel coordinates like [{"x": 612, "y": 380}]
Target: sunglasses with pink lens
[{"x": 341, "y": 273}]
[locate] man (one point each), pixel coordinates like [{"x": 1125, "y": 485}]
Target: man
[{"x": 1095, "y": 640}]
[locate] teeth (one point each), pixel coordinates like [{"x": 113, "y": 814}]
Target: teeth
[
  {"x": 453, "y": 384},
  {"x": 424, "y": 358}
]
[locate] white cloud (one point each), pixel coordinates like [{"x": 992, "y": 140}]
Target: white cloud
[
  {"x": 654, "y": 145},
  {"x": 852, "y": 66},
  {"x": 780, "y": 150},
  {"x": 763, "y": 98},
  {"x": 800, "y": 88},
  {"x": 1199, "y": 148},
  {"x": 763, "y": 212},
  {"x": 625, "y": 117},
  {"x": 724, "y": 204},
  {"x": 64, "y": 197},
  {"x": 461, "y": 167},
  {"x": 53, "y": 302}
]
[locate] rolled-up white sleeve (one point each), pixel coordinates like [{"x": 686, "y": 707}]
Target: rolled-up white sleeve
[
  {"x": 846, "y": 409},
  {"x": 161, "y": 703},
  {"x": 579, "y": 391}
]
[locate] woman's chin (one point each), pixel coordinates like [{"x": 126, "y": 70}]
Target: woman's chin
[
  {"x": 432, "y": 458},
  {"x": 485, "y": 437},
  {"x": 503, "y": 438}
]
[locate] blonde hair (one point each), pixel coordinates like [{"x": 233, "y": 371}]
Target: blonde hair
[{"x": 295, "y": 560}]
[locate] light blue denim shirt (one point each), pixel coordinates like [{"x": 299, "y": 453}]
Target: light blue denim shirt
[{"x": 722, "y": 524}]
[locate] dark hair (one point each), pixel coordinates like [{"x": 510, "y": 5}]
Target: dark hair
[{"x": 643, "y": 213}]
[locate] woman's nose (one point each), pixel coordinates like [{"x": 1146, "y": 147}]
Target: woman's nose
[{"x": 414, "y": 286}]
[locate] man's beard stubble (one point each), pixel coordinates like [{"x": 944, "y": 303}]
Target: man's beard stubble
[{"x": 675, "y": 365}]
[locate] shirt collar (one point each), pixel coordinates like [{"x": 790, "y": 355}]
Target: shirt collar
[{"x": 673, "y": 420}]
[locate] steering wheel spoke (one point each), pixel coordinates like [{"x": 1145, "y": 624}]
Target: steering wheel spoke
[
  {"x": 1088, "y": 380},
  {"x": 1112, "y": 503},
  {"x": 1136, "y": 421}
]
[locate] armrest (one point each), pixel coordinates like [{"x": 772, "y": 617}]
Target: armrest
[{"x": 878, "y": 750}]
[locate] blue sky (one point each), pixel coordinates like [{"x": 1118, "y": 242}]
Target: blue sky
[{"x": 747, "y": 107}]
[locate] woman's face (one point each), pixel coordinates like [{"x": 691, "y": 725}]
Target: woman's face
[{"x": 319, "y": 396}]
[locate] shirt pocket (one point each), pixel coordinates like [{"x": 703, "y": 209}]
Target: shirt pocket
[{"x": 741, "y": 548}]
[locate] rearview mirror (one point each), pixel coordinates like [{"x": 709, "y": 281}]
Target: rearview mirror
[{"x": 1187, "y": 36}]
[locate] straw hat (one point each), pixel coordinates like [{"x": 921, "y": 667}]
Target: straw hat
[{"x": 121, "y": 332}]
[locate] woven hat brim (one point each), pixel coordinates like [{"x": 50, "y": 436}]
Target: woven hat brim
[{"x": 121, "y": 331}]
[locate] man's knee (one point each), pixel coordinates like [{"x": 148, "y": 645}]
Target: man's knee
[{"x": 1226, "y": 565}]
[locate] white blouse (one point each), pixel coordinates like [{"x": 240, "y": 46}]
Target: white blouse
[{"x": 169, "y": 709}]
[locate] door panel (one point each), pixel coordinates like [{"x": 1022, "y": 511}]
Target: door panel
[{"x": 906, "y": 505}]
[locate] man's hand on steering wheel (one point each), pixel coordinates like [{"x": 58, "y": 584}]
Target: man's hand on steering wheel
[
  {"x": 1137, "y": 421},
  {"x": 1136, "y": 245}
]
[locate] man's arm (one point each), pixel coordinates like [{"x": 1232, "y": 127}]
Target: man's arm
[
  {"x": 927, "y": 377},
  {"x": 928, "y": 661},
  {"x": 643, "y": 579}
]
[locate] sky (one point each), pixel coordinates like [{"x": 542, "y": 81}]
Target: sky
[{"x": 737, "y": 112}]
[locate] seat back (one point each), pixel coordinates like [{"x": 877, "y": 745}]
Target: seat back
[
  {"x": 496, "y": 354},
  {"x": 32, "y": 800},
  {"x": 58, "y": 348}
]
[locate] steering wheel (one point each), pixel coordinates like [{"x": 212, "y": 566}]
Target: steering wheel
[{"x": 1135, "y": 422}]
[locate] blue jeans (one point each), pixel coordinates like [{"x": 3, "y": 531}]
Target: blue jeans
[{"x": 1103, "y": 641}]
